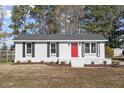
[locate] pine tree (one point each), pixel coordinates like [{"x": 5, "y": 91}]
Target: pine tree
[
  {"x": 19, "y": 15},
  {"x": 99, "y": 19}
]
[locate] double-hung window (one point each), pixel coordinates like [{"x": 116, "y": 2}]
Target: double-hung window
[
  {"x": 28, "y": 48},
  {"x": 90, "y": 47},
  {"x": 93, "y": 47},
  {"x": 53, "y": 48},
  {"x": 87, "y": 47}
]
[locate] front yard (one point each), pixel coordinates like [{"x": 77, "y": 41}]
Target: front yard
[{"x": 38, "y": 75}]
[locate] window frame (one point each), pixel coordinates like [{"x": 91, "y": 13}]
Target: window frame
[
  {"x": 53, "y": 48},
  {"x": 95, "y": 48},
  {"x": 90, "y": 47},
  {"x": 28, "y": 48}
]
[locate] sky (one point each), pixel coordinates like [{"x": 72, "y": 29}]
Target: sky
[{"x": 7, "y": 22}]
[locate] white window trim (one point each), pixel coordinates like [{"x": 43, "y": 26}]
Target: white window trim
[
  {"x": 28, "y": 54},
  {"x": 53, "y": 54},
  {"x": 90, "y": 48}
]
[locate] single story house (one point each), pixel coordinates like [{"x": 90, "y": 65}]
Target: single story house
[{"x": 77, "y": 49}]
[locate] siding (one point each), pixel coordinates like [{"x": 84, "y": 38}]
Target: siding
[{"x": 64, "y": 52}]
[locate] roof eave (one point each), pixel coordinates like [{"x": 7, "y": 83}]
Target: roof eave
[{"x": 105, "y": 40}]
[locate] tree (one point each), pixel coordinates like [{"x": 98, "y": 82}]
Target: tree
[
  {"x": 50, "y": 16},
  {"x": 3, "y": 34},
  {"x": 99, "y": 19},
  {"x": 2, "y": 14},
  {"x": 46, "y": 18},
  {"x": 4, "y": 47},
  {"x": 19, "y": 16}
]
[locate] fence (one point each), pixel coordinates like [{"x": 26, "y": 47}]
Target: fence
[{"x": 7, "y": 55}]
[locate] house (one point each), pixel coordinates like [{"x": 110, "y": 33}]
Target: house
[{"x": 77, "y": 49}]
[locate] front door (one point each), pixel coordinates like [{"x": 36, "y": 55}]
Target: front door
[{"x": 74, "y": 50}]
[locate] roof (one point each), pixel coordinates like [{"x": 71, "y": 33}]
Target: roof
[{"x": 84, "y": 36}]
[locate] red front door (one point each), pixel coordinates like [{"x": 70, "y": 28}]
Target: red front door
[{"x": 74, "y": 50}]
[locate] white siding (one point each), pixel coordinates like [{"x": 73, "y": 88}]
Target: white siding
[
  {"x": 65, "y": 50},
  {"x": 18, "y": 51},
  {"x": 64, "y": 54},
  {"x": 102, "y": 50},
  {"x": 41, "y": 50}
]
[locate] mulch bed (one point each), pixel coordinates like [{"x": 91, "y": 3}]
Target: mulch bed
[
  {"x": 45, "y": 63},
  {"x": 26, "y": 63},
  {"x": 61, "y": 65},
  {"x": 97, "y": 65},
  {"x": 68, "y": 65},
  {"x": 101, "y": 65}
]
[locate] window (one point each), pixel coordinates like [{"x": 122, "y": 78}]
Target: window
[
  {"x": 53, "y": 48},
  {"x": 90, "y": 47},
  {"x": 29, "y": 48},
  {"x": 87, "y": 47},
  {"x": 93, "y": 47}
]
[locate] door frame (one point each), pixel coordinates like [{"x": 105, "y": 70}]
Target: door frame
[{"x": 76, "y": 49}]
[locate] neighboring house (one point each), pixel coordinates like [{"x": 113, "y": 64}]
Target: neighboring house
[
  {"x": 78, "y": 49},
  {"x": 120, "y": 50}
]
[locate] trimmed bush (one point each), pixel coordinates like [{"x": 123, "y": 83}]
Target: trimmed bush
[
  {"x": 62, "y": 62},
  {"x": 57, "y": 62},
  {"x": 41, "y": 62},
  {"x": 29, "y": 61},
  {"x": 70, "y": 62},
  {"x": 92, "y": 62},
  {"x": 104, "y": 62},
  {"x": 52, "y": 62}
]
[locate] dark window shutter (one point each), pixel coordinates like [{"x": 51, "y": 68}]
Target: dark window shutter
[
  {"x": 83, "y": 50},
  {"x": 23, "y": 49},
  {"x": 57, "y": 49},
  {"x": 98, "y": 50},
  {"x": 33, "y": 49},
  {"x": 48, "y": 49}
]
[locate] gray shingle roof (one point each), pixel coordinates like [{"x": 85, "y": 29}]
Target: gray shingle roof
[{"x": 84, "y": 36}]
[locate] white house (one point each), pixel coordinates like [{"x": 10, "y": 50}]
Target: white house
[{"x": 78, "y": 49}]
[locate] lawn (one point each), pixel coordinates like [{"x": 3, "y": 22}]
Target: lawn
[{"x": 38, "y": 75}]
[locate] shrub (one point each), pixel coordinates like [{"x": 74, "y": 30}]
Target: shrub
[
  {"x": 57, "y": 62},
  {"x": 63, "y": 62},
  {"x": 41, "y": 62},
  {"x": 92, "y": 63},
  {"x": 17, "y": 62},
  {"x": 52, "y": 62},
  {"x": 108, "y": 52},
  {"x": 104, "y": 62},
  {"x": 29, "y": 61},
  {"x": 70, "y": 62}
]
